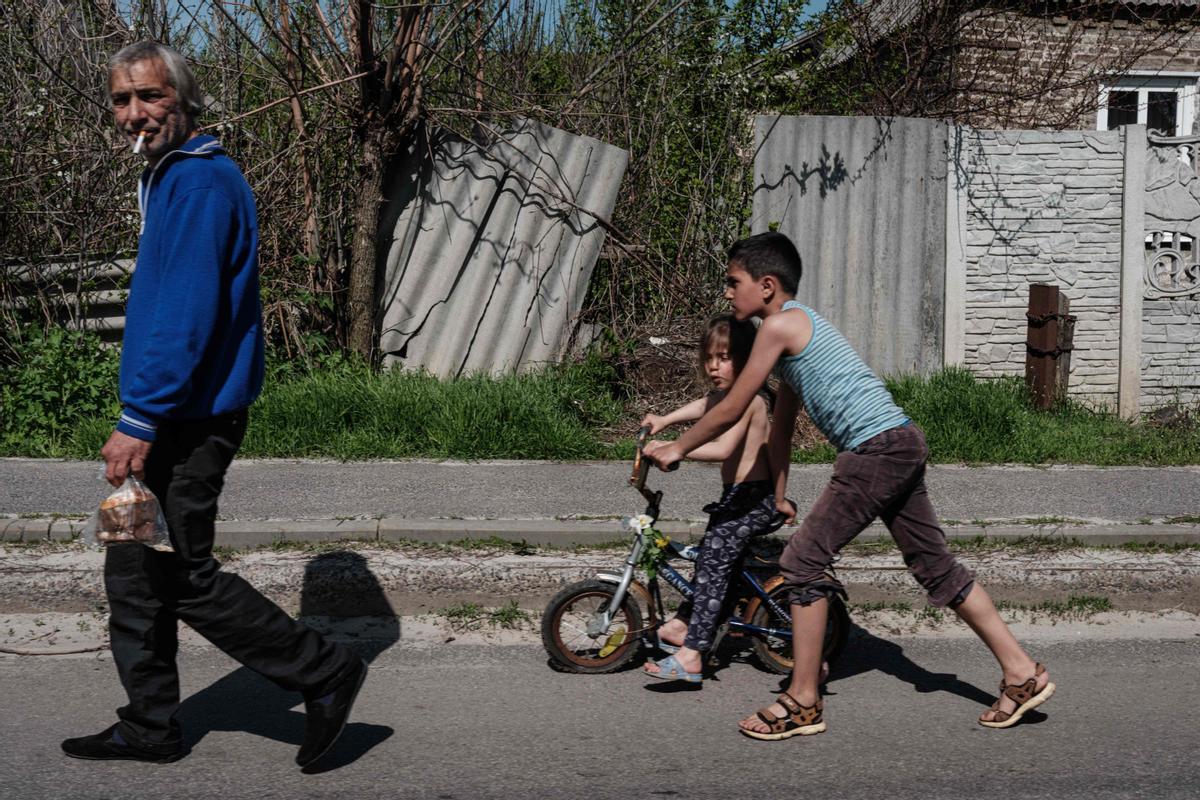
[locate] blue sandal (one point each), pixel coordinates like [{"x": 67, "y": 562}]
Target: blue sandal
[
  {"x": 669, "y": 669},
  {"x": 668, "y": 648}
]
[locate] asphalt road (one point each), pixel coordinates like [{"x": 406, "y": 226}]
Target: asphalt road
[
  {"x": 277, "y": 489},
  {"x": 467, "y": 722}
]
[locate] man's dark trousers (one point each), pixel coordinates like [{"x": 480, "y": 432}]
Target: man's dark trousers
[{"x": 150, "y": 591}]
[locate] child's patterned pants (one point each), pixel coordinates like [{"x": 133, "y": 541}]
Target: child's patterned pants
[{"x": 743, "y": 510}]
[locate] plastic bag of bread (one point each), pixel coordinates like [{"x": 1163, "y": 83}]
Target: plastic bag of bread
[{"x": 130, "y": 514}]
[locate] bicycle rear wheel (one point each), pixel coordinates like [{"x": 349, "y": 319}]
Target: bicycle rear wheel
[
  {"x": 775, "y": 652},
  {"x": 571, "y": 638}
]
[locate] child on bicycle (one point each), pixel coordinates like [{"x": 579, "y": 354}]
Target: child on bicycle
[
  {"x": 747, "y": 504},
  {"x": 879, "y": 472}
]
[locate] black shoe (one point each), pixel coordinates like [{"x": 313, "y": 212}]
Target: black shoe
[
  {"x": 109, "y": 745},
  {"x": 326, "y": 716}
]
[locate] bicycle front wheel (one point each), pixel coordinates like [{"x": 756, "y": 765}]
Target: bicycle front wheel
[{"x": 572, "y": 636}]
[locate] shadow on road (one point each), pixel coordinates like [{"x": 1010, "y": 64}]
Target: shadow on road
[
  {"x": 866, "y": 652},
  {"x": 336, "y": 584}
]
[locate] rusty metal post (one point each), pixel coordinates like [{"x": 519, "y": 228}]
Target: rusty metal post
[{"x": 1041, "y": 340}]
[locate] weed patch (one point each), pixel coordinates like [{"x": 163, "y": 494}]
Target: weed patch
[
  {"x": 1075, "y": 607},
  {"x": 876, "y": 607},
  {"x": 510, "y": 615},
  {"x": 55, "y": 381},
  {"x": 1159, "y": 547},
  {"x": 978, "y": 544},
  {"x": 472, "y": 616}
]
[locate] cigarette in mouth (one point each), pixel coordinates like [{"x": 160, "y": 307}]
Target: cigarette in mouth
[{"x": 137, "y": 146}]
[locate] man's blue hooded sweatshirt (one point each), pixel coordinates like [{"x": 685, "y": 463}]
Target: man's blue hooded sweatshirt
[{"x": 193, "y": 325}]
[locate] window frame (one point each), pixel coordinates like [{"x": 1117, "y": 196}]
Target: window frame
[{"x": 1183, "y": 84}]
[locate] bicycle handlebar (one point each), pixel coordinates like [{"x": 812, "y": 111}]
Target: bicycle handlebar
[
  {"x": 641, "y": 465},
  {"x": 641, "y": 468}
]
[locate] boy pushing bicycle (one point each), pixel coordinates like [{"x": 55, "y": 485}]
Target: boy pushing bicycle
[{"x": 879, "y": 472}]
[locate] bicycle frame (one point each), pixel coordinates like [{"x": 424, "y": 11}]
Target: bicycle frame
[
  {"x": 684, "y": 587},
  {"x": 601, "y": 621},
  {"x": 626, "y": 581}
]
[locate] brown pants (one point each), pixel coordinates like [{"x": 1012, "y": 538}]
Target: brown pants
[{"x": 883, "y": 477}]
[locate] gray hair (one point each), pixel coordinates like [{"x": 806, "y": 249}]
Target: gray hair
[{"x": 179, "y": 74}]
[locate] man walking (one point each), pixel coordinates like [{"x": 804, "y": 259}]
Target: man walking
[{"x": 191, "y": 364}]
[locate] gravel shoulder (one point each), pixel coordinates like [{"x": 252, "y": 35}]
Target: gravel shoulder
[
  {"x": 85, "y": 634},
  {"x": 356, "y": 579}
]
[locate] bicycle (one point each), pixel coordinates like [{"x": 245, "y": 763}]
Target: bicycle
[{"x": 597, "y": 626}]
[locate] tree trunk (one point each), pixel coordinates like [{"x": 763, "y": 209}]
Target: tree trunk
[{"x": 360, "y": 335}]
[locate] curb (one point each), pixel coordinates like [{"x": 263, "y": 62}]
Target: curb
[{"x": 575, "y": 533}]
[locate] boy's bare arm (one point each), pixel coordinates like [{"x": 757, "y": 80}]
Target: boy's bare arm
[
  {"x": 724, "y": 445},
  {"x": 688, "y": 413},
  {"x": 768, "y": 347},
  {"x": 779, "y": 445}
]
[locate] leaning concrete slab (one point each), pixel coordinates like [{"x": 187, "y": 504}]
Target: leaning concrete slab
[{"x": 493, "y": 246}]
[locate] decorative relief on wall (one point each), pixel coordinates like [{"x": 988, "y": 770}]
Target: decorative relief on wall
[
  {"x": 1172, "y": 217},
  {"x": 1171, "y": 266},
  {"x": 1172, "y": 187}
]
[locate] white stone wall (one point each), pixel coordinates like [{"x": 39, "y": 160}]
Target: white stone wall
[
  {"x": 1170, "y": 353},
  {"x": 1044, "y": 207}
]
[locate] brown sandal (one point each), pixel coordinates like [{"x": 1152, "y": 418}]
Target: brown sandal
[
  {"x": 1025, "y": 695},
  {"x": 800, "y": 721}
]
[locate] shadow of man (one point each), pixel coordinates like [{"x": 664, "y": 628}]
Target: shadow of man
[{"x": 339, "y": 596}]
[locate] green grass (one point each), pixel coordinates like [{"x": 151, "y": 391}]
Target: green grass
[
  {"x": 966, "y": 419},
  {"x": 352, "y": 413},
  {"x": 345, "y": 411},
  {"x": 342, "y": 410},
  {"x": 992, "y": 421}
]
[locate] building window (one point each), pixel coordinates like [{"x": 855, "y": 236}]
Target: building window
[{"x": 1162, "y": 102}]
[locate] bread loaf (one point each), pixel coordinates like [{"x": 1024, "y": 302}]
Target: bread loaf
[{"x": 129, "y": 515}]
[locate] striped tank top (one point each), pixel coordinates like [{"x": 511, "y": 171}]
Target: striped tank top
[{"x": 845, "y": 399}]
